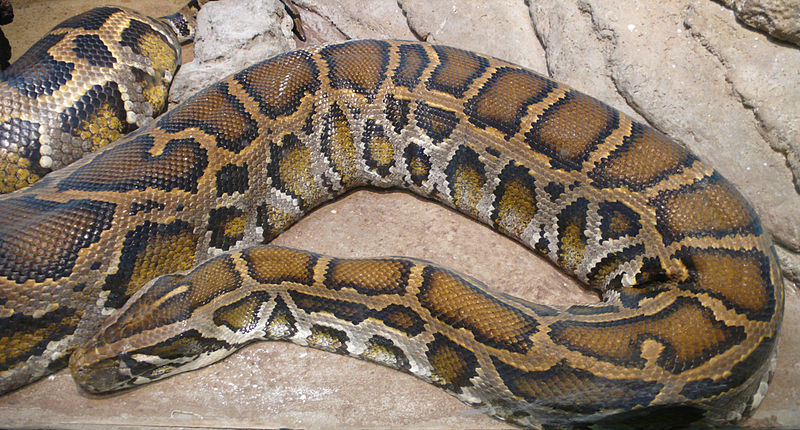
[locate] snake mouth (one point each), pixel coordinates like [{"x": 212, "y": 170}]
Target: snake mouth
[{"x": 98, "y": 373}]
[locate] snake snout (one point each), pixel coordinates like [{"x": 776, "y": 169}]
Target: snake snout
[{"x": 94, "y": 373}]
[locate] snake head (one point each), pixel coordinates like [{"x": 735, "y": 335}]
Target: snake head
[
  {"x": 149, "y": 338},
  {"x": 98, "y": 375},
  {"x": 112, "y": 359},
  {"x": 96, "y": 369}
]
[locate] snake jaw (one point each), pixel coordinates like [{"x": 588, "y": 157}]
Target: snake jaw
[{"x": 97, "y": 372}]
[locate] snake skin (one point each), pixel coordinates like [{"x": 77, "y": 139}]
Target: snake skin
[
  {"x": 693, "y": 297},
  {"x": 89, "y": 81}
]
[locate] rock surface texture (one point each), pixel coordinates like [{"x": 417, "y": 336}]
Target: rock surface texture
[
  {"x": 687, "y": 67},
  {"x": 779, "y": 18}
]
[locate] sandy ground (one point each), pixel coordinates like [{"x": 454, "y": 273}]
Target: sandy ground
[{"x": 281, "y": 385}]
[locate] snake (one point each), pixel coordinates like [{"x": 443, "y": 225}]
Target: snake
[{"x": 149, "y": 257}]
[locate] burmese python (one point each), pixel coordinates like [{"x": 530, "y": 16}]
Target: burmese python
[{"x": 693, "y": 295}]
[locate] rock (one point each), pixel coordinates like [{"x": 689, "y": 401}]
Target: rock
[
  {"x": 231, "y": 35},
  {"x": 757, "y": 71},
  {"x": 500, "y": 28},
  {"x": 779, "y": 18},
  {"x": 790, "y": 265},
  {"x": 381, "y": 19}
]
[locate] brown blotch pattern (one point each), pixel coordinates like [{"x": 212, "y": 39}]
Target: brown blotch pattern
[
  {"x": 369, "y": 277},
  {"x": 567, "y": 142},
  {"x": 19, "y": 170},
  {"x": 610, "y": 263},
  {"x": 37, "y": 73},
  {"x": 453, "y": 365},
  {"x": 144, "y": 40},
  {"x": 466, "y": 177},
  {"x": 738, "y": 375},
  {"x": 281, "y": 323},
  {"x": 418, "y": 163},
  {"x": 360, "y": 65},
  {"x": 645, "y": 158},
  {"x": 22, "y": 334},
  {"x": 90, "y": 47},
  {"x": 337, "y": 144},
  {"x": 145, "y": 207},
  {"x": 294, "y": 72},
  {"x": 555, "y": 388},
  {"x": 241, "y": 315},
  {"x": 378, "y": 149},
  {"x": 504, "y": 99},
  {"x": 401, "y": 318},
  {"x": 674, "y": 328},
  {"x": 413, "y": 61},
  {"x": 456, "y": 71},
  {"x": 273, "y": 220},
  {"x": 217, "y": 112},
  {"x": 273, "y": 265},
  {"x": 93, "y": 19},
  {"x": 226, "y": 225},
  {"x": 739, "y": 278},
  {"x": 454, "y": 301},
  {"x": 47, "y": 241},
  {"x": 209, "y": 280},
  {"x": 618, "y": 220},
  {"x": 328, "y": 339},
  {"x": 131, "y": 166},
  {"x": 99, "y": 116},
  {"x": 397, "y": 112},
  {"x": 290, "y": 170},
  {"x": 438, "y": 123},
  {"x": 709, "y": 207},
  {"x": 148, "y": 251},
  {"x": 514, "y": 199},
  {"x": 232, "y": 178},
  {"x": 572, "y": 234},
  {"x": 383, "y": 351},
  {"x": 342, "y": 309},
  {"x": 652, "y": 271}
]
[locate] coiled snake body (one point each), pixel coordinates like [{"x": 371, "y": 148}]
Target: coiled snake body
[{"x": 693, "y": 295}]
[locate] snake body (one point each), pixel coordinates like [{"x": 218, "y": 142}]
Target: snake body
[
  {"x": 693, "y": 297},
  {"x": 90, "y": 80}
]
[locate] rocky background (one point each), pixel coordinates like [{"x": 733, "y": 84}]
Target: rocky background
[{"x": 722, "y": 78}]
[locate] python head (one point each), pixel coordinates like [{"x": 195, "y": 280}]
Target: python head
[{"x": 147, "y": 340}]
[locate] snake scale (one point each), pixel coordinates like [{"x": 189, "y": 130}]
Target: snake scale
[{"x": 693, "y": 297}]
